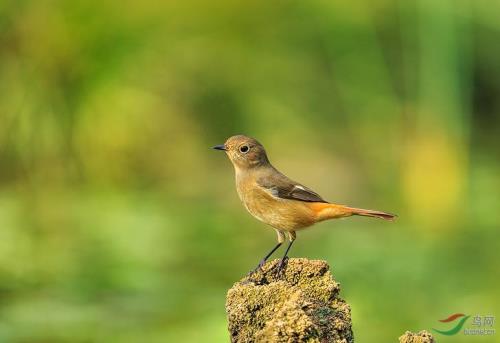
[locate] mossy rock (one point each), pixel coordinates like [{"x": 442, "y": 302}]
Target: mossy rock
[
  {"x": 421, "y": 337},
  {"x": 300, "y": 305}
]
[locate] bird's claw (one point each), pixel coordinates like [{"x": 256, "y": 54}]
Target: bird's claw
[
  {"x": 281, "y": 266},
  {"x": 258, "y": 268},
  {"x": 261, "y": 264}
]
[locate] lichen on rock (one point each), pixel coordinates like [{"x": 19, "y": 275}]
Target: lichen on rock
[
  {"x": 421, "y": 337},
  {"x": 301, "y": 305}
]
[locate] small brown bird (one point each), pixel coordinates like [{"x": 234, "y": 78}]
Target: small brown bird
[{"x": 274, "y": 199}]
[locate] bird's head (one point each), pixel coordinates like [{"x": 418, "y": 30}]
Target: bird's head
[{"x": 244, "y": 152}]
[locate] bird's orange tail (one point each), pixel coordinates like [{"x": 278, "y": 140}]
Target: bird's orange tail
[{"x": 326, "y": 211}]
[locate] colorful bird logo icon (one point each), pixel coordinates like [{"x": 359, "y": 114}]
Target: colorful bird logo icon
[{"x": 457, "y": 327}]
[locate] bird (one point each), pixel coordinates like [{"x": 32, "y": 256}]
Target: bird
[{"x": 276, "y": 200}]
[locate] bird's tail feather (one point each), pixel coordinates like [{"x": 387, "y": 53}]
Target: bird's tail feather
[
  {"x": 330, "y": 211},
  {"x": 371, "y": 213}
]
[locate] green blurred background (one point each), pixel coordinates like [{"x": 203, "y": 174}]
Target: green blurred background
[{"x": 119, "y": 224}]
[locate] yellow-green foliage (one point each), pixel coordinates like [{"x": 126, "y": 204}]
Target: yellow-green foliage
[{"x": 119, "y": 224}]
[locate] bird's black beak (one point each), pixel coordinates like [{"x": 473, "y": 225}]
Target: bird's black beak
[{"x": 220, "y": 147}]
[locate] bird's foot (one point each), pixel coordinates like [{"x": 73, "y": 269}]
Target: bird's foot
[
  {"x": 256, "y": 269},
  {"x": 281, "y": 266},
  {"x": 259, "y": 267}
]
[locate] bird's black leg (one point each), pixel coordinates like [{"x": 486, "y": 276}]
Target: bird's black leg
[
  {"x": 264, "y": 260},
  {"x": 283, "y": 261}
]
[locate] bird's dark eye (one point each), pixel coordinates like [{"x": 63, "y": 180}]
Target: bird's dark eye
[{"x": 244, "y": 148}]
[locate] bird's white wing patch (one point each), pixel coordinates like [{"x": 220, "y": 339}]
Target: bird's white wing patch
[{"x": 274, "y": 191}]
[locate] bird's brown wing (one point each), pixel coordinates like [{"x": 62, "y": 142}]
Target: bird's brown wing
[{"x": 282, "y": 187}]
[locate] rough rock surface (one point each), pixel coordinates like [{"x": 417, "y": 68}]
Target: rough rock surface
[
  {"x": 421, "y": 337},
  {"x": 302, "y": 305}
]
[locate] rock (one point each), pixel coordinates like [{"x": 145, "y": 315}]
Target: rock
[
  {"x": 303, "y": 305},
  {"x": 421, "y": 337}
]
